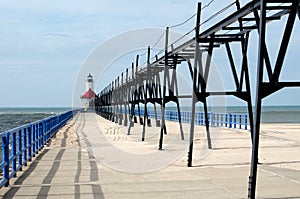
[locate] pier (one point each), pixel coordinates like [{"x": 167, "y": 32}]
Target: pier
[
  {"x": 67, "y": 167},
  {"x": 156, "y": 83},
  {"x": 129, "y": 149}
]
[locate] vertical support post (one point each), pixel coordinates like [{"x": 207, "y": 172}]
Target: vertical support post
[
  {"x": 146, "y": 95},
  {"x": 25, "y": 138},
  {"x": 240, "y": 121},
  {"x": 30, "y": 142},
  {"x": 246, "y": 122},
  {"x": 230, "y": 120},
  {"x": 48, "y": 129},
  {"x": 20, "y": 156},
  {"x": 203, "y": 89},
  {"x": 133, "y": 94},
  {"x": 179, "y": 117},
  {"x": 5, "y": 153},
  {"x": 117, "y": 97},
  {"x": 33, "y": 140},
  {"x": 113, "y": 98},
  {"x": 195, "y": 89},
  {"x": 257, "y": 113},
  {"x": 157, "y": 94},
  {"x": 126, "y": 99},
  {"x": 37, "y": 136},
  {"x": 137, "y": 90},
  {"x": 163, "y": 125},
  {"x": 132, "y": 91},
  {"x": 234, "y": 121},
  {"x": 247, "y": 81},
  {"x": 207, "y": 125},
  {"x": 44, "y": 124},
  {"x": 14, "y": 152},
  {"x": 40, "y": 126},
  {"x": 222, "y": 119},
  {"x": 155, "y": 115}
]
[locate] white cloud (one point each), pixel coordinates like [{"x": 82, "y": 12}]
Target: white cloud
[{"x": 55, "y": 36}]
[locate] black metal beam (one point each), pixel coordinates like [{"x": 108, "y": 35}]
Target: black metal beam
[
  {"x": 163, "y": 125},
  {"x": 285, "y": 41},
  {"x": 232, "y": 65},
  {"x": 142, "y": 84},
  {"x": 257, "y": 112},
  {"x": 194, "y": 77}
]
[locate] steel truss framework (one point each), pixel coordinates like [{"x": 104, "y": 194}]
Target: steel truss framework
[{"x": 145, "y": 84}]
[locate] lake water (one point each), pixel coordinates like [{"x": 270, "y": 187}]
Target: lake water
[{"x": 13, "y": 117}]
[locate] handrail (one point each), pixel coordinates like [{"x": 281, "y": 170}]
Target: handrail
[
  {"x": 216, "y": 119},
  {"x": 229, "y": 120},
  {"x": 20, "y": 144}
]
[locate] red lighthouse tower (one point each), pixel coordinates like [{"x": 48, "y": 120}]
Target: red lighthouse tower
[{"x": 88, "y": 98}]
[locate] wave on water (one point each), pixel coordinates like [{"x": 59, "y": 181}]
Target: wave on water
[{"x": 14, "y": 117}]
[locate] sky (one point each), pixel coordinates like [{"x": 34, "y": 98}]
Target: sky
[{"x": 44, "y": 44}]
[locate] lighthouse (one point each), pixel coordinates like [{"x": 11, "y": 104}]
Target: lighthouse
[{"x": 89, "y": 97}]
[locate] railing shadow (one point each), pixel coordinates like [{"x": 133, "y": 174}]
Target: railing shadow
[{"x": 13, "y": 190}]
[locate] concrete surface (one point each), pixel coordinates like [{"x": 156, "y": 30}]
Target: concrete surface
[{"x": 94, "y": 158}]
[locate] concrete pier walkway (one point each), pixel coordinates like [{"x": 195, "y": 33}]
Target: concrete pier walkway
[{"x": 94, "y": 158}]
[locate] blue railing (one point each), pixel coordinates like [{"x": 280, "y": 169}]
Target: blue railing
[
  {"x": 20, "y": 144},
  {"x": 229, "y": 120}
]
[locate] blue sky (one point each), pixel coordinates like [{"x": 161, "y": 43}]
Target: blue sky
[{"x": 44, "y": 43}]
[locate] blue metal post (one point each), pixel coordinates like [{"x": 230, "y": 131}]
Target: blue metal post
[
  {"x": 5, "y": 152},
  {"x": 234, "y": 122},
  {"x": 246, "y": 122},
  {"x": 44, "y": 132},
  {"x": 33, "y": 140},
  {"x": 51, "y": 126},
  {"x": 221, "y": 119},
  {"x": 25, "y": 145},
  {"x": 240, "y": 120},
  {"x": 37, "y": 137},
  {"x": 30, "y": 142},
  {"x": 20, "y": 144},
  {"x": 48, "y": 129},
  {"x": 230, "y": 120},
  {"x": 14, "y": 153},
  {"x": 226, "y": 120},
  {"x": 40, "y": 124}
]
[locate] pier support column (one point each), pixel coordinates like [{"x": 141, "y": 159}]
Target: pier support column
[{"x": 257, "y": 113}]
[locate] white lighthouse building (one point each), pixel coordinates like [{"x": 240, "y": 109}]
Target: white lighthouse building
[{"x": 89, "y": 97}]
